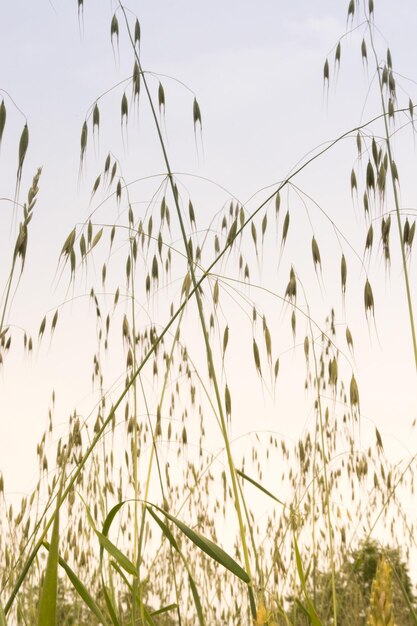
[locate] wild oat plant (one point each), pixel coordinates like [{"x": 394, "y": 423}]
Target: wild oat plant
[{"x": 136, "y": 518}]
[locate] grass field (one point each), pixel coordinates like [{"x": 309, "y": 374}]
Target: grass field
[{"x": 218, "y": 369}]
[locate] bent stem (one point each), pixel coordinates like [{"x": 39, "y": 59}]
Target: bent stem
[{"x": 210, "y": 359}]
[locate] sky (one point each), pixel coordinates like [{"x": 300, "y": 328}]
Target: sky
[{"x": 257, "y": 72}]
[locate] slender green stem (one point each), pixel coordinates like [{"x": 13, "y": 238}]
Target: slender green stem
[
  {"x": 134, "y": 434},
  {"x": 326, "y": 482},
  {"x": 210, "y": 359}
]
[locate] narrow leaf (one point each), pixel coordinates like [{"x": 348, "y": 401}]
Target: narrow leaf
[
  {"x": 251, "y": 480},
  {"x": 116, "y": 554},
  {"x": 197, "y": 601},
  {"x": 209, "y": 547},
  {"x": 47, "y": 614},
  {"x": 110, "y": 607},
  {"x": 165, "y": 530},
  {"x": 165, "y": 609},
  {"x": 310, "y": 608},
  {"x": 79, "y": 587}
]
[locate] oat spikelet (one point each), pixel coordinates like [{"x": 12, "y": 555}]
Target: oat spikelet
[
  {"x": 291, "y": 290},
  {"x": 161, "y": 97},
  {"x": 285, "y": 228},
  {"x": 343, "y": 274},
  {"x": 96, "y": 118},
  {"x": 257, "y": 357},
  {"x": 2, "y": 119},
  {"x": 23, "y": 146},
  {"x": 353, "y": 182},
  {"x": 337, "y": 55},
  {"x": 196, "y": 114},
  {"x": 349, "y": 338},
  {"x": 124, "y": 109},
  {"x": 316, "y": 253},
  {"x": 83, "y": 142},
  {"x": 326, "y": 73},
  {"x": 369, "y": 299},
  {"x": 278, "y": 197},
  {"x": 354, "y": 393},
  {"x": 137, "y": 33},
  {"x": 276, "y": 369},
  {"x": 364, "y": 52},
  {"x": 228, "y": 402},
  {"x": 114, "y": 30}
]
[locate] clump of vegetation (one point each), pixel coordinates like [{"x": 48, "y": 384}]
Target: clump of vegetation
[
  {"x": 380, "y": 611},
  {"x": 127, "y": 522}
]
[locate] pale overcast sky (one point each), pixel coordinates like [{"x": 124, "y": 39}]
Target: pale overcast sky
[{"x": 256, "y": 69}]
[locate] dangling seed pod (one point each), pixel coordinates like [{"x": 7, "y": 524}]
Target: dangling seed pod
[
  {"x": 337, "y": 55},
  {"x": 343, "y": 273},
  {"x": 161, "y": 97},
  {"x": 353, "y": 183},
  {"x": 316, "y": 253},
  {"x": 363, "y": 52},
  {"x": 137, "y": 33},
  {"x": 114, "y": 29},
  {"x": 124, "y": 109},
  {"x": 354, "y": 393},
  {"x": 2, "y": 119},
  {"x": 285, "y": 228},
  {"x": 326, "y": 73},
  {"x": 96, "y": 118},
  {"x": 84, "y": 135},
  {"x": 196, "y": 114},
  {"x": 369, "y": 299},
  {"x": 257, "y": 357}
]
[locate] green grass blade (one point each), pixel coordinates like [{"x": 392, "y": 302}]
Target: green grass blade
[
  {"x": 197, "y": 601},
  {"x": 259, "y": 486},
  {"x": 116, "y": 554},
  {"x": 148, "y": 617},
  {"x": 314, "y": 618},
  {"x": 252, "y": 601},
  {"x": 105, "y": 541},
  {"x": 80, "y": 589},
  {"x": 48, "y": 598},
  {"x": 110, "y": 517},
  {"x": 122, "y": 574},
  {"x": 2, "y": 617},
  {"x": 209, "y": 547},
  {"x": 165, "y": 530},
  {"x": 108, "y": 521},
  {"x": 110, "y": 607},
  {"x": 169, "y": 607},
  {"x": 302, "y": 608}
]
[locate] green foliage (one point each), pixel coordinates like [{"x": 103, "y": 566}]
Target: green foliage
[{"x": 354, "y": 581}]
